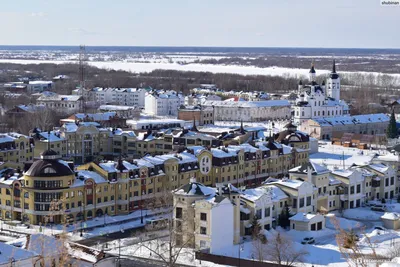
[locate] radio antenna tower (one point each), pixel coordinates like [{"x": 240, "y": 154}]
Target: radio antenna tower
[{"x": 82, "y": 78}]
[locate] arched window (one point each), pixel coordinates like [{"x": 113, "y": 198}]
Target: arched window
[
  {"x": 89, "y": 214},
  {"x": 26, "y": 195}
]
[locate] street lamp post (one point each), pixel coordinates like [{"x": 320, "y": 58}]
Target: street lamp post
[
  {"x": 119, "y": 252},
  {"x": 81, "y": 234},
  {"x": 141, "y": 207},
  {"x": 240, "y": 249}
]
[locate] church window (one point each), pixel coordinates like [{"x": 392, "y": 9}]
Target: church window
[{"x": 323, "y": 113}]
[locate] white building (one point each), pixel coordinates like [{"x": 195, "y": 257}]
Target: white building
[
  {"x": 155, "y": 124},
  {"x": 250, "y": 111},
  {"x": 317, "y": 101},
  {"x": 200, "y": 99},
  {"x": 114, "y": 96},
  {"x": 68, "y": 104},
  {"x": 163, "y": 103}
]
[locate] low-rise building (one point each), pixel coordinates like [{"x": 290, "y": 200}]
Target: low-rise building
[
  {"x": 165, "y": 103},
  {"x": 204, "y": 218},
  {"x": 67, "y": 104},
  {"x": 307, "y": 222},
  {"x": 126, "y": 112},
  {"x": 323, "y": 128},
  {"x": 201, "y": 115},
  {"x": 15, "y": 147},
  {"x": 250, "y": 111}
]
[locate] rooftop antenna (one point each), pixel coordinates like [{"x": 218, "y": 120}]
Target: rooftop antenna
[
  {"x": 82, "y": 76},
  {"x": 48, "y": 140}
]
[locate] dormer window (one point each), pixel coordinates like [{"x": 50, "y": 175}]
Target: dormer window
[{"x": 48, "y": 170}]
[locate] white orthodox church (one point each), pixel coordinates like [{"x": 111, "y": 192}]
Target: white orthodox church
[{"x": 319, "y": 101}]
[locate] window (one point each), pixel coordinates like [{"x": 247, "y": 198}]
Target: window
[
  {"x": 203, "y": 216},
  {"x": 301, "y": 202},
  {"x": 309, "y": 201},
  {"x": 267, "y": 212},
  {"x": 178, "y": 213},
  {"x": 358, "y": 188},
  {"x": 387, "y": 182},
  {"x": 391, "y": 180},
  {"x": 203, "y": 230},
  {"x": 259, "y": 214},
  {"x": 352, "y": 189}
]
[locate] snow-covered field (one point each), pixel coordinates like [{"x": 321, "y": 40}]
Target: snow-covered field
[{"x": 144, "y": 65}]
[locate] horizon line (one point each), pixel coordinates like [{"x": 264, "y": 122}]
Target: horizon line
[{"x": 191, "y": 46}]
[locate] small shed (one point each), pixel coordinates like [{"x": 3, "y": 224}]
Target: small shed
[
  {"x": 307, "y": 222},
  {"x": 391, "y": 220}
]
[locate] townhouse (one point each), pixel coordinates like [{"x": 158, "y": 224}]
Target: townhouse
[
  {"x": 205, "y": 217},
  {"x": 15, "y": 147}
]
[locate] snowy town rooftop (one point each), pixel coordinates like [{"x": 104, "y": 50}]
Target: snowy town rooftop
[
  {"x": 358, "y": 119},
  {"x": 249, "y": 104}
]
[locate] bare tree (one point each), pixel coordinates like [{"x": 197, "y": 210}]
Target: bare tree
[
  {"x": 260, "y": 247},
  {"x": 169, "y": 249},
  {"x": 350, "y": 248},
  {"x": 281, "y": 250}
]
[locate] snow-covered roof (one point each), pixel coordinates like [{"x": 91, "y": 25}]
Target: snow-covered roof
[
  {"x": 315, "y": 168},
  {"x": 248, "y": 104},
  {"x": 50, "y": 96},
  {"x": 116, "y": 108},
  {"x": 84, "y": 175},
  {"x": 295, "y": 184},
  {"x": 394, "y": 216},
  {"x": 358, "y": 119},
  {"x": 10, "y": 137},
  {"x": 254, "y": 194},
  {"x": 381, "y": 168},
  {"x": 195, "y": 189},
  {"x": 104, "y": 116},
  {"x": 223, "y": 152},
  {"x": 303, "y": 217}
]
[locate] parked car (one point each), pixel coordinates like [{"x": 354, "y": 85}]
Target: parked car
[
  {"x": 308, "y": 240},
  {"x": 379, "y": 207},
  {"x": 379, "y": 228}
]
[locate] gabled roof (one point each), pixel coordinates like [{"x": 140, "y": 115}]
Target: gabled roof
[
  {"x": 316, "y": 169},
  {"x": 195, "y": 189}
]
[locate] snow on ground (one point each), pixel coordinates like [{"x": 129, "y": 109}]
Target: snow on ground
[
  {"x": 332, "y": 156},
  {"x": 148, "y": 66},
  {"x": 363, "y": 213},
  {"x": 344, "y": 223}
]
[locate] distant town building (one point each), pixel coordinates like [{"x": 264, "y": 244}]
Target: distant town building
[
  {"x": 319, "y": 101},
  {"x": 29, "y": 87},
  {"x": 114, "y": 96},
  {"x": 67, "y": 104},
  {"x": 323, "y": 128},
  {"x": 163, "y": 103},
  {"x": 201, "y": 115},
  {"x": 250, "y": 111},
  {"x": 127, "y": 112}
]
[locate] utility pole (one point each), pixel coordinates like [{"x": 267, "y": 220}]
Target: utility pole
[{"x": 82, "y": 76}]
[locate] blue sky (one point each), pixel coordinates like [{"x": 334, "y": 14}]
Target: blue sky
[{"x": 251, "y": 23}]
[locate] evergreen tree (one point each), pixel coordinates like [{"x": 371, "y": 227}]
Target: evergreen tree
[
  {"x": 392, "y": 128},
  {"x": 255, "y": 227},
  {"x": 285, "y": 215}
]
